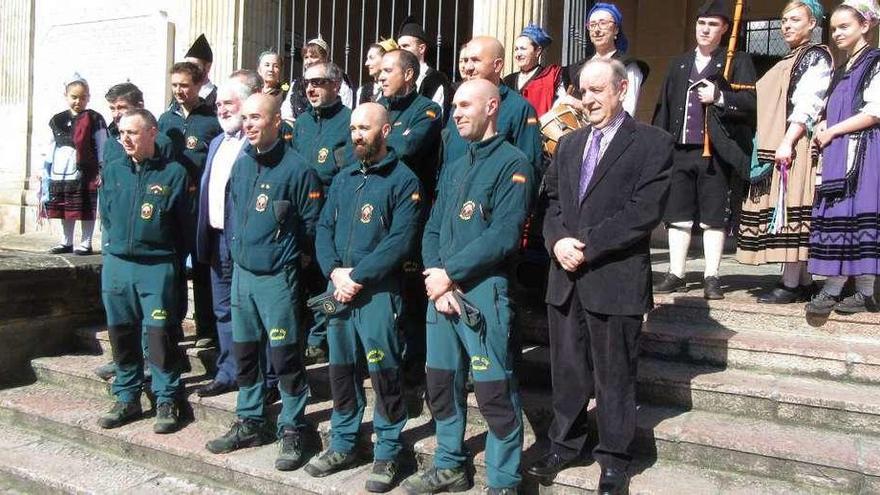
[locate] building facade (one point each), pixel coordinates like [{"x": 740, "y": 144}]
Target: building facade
[{"x": 112, "y": 41}]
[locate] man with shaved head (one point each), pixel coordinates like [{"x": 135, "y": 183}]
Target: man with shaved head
[
  {"x": 275, "y": 200},
  {"x": 517, "y": 121},
  {"x": 482, "y": 202},
  {"x": 367, "y": 229},
  {"x": 606, "y": 189}
]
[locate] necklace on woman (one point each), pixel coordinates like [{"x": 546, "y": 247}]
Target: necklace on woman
[{"x": 855, "y": 55}]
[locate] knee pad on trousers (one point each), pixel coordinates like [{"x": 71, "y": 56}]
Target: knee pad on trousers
[
  {"x": 164, "y": 353},
  {"x": 125, "y": 344},
  {"x": 247, "y": 355},
  {"x": 390, "y": 401},
  {"x": 342, "y": 377},
  {"x": 495, "y": 405},
  {"x": 441, "y": 393},
  {"x": 287, "y": 364},
  {"x": 681, "y": 225}
]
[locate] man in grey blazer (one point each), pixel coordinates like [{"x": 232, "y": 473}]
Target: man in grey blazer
[{"x": 606, "y": 190}]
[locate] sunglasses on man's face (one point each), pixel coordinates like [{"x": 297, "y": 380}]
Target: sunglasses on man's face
[{"x": 318, "y": 81}]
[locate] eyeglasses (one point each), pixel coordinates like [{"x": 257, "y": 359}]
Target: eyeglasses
[
  {"x": 601, "y": 24},
  {"x": 318, "y": 81}
]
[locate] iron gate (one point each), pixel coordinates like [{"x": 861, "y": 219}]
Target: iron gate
[{"x": 350, "y": 26}]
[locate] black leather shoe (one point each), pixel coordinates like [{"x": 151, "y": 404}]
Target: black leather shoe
[
  {"x": 214, "y": 388},
  {"x": 613, "y": 482},
  {"x": 670, "y": 283},
  {"x": 712, "y": 288},
  {"x": 61, "y": 249},
  {"x": 550, "y": 465},
  {"x": 81, "y": 251},
  {"x": 783, "y": 295}
]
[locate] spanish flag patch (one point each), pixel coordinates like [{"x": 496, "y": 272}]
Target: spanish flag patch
[
  {"x": 431, "y": 114},
  {"x": 416, "y": 196},
  {"x": 518, "y": 178},
  {"x": 532, "y": 121},
  {"x": 315, "y": 195}
]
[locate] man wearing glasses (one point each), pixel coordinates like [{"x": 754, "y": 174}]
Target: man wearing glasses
[{"x": 321, "y": 136}]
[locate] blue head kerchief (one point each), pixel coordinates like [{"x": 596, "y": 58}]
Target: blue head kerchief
[
  {"x": 537, "y": 34},
  {"x": 621, "y": 43}
]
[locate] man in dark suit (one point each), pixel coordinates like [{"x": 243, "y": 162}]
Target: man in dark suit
[
  {"x": 695, "y": 98},
  {"x": 606, "y": 190}
]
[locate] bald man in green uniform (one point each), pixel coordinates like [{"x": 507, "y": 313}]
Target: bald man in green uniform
[
  {"x": 483, "y": 199},
  {"x": 276, "y": 198}
]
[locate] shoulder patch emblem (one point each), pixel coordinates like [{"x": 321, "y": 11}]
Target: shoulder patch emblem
[
  {"x": 467, "y": 210},
  {"x": 147, "y": 211},
  {"x": 323, "y": 153},
  {"x": 407, "y": 131},
  {"x": 315, "y": 194},
  {"x": 416, "y": 196},
  {"x": 518, "y": 178},
  {"x": 285, "y": 87},
  {"x": 532, "y": 121},
  {"x": 262, "y": 202},
  {"x": 396, "y": 124},
  {"x": 431, "y": 114},
  {"x": 191, "y": 142},
  {"x": 366, "y": 213},
  {"x": 287, "y": 136}
]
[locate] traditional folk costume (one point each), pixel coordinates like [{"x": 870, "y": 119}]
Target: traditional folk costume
[
  {"x": 700, "y": 185},
  {"x": 775, "y": 219},
  {"x": 73, "y": 160},
  {"x": 845, "y": 236},
  {"x": 541, "y": 85}
]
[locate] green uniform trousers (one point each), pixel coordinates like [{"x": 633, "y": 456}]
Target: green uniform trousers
[
  {"x": 367, "y": 329},
  {"x": 140, "y": 298},
  {"x": 268, "y": 305},
  {"x": 452, "y": 348}
]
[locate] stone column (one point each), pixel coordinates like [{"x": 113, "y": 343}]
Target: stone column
[
  {"x": 16, "y": 95},
  {"x": 504, "y": 19}
]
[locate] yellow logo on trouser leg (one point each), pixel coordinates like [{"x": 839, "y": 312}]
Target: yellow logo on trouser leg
[
  {"x": 375, "y": 356},
  {"x": 479, "y": 363},
  {"x": 159, "y": 314},
  {"x": 277, "y": 334}
]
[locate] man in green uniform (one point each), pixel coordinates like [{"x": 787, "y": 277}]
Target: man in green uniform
[
  {"x": 367, "y": 229},
  {"x": 121, "y": 98},
  {"x": 275, "y": 200},
  {"x": 416, "y": 122},
  {"x": 517, "y": 121},
  {"x": 146, "y": 208},
  {"x": 321, "y": 136},
  {"x": 191, "y": 123},
  {"x": 483, "y": 199}
]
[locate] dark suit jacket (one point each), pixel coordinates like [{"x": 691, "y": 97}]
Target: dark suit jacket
[
  {"x": 203, "y": 245},
  {"x": 624, "y": 202},
  {"x": 731, "y": 126}
]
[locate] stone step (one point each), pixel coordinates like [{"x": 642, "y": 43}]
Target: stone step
[
  {"x": 750, "y": 393},
  {"x": 70, "y": 415},
  {"x": 36, "y": 464},
  {"x": 817, "y": 355}
]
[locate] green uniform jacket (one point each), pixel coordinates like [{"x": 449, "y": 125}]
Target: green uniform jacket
[
  {"x": 416, "y": 123},
  {"x": 275, "y": 201},
  {"x": 370, "y": 221},
  {"x": 483, "y": 199},
  {"x": 191, "y": 135},
  {"x": 322, "y": 137},
  {"x": 146, "y": 209},
  {"x": 113, "y": 148},
  {"x": 517, "y": 122}
]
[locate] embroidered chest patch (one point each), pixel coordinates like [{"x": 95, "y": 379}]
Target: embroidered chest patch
[
  {"x": 467, "y": 210},
  {"x": 366, "y": 213},
  {"x": 147, "y": 211},
  {"x": 323, "y": 153},
  {"x": 262, "y": 202},
  {"x": 191, "y": 142}
]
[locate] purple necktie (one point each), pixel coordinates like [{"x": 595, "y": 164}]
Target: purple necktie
[{"x": 590, "y": 162}]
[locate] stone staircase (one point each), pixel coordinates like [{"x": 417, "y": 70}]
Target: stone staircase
[{"x": 735, "y": 398}]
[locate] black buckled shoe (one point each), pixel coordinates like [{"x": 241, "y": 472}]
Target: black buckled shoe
[
  {"x": 670, "y": 283},
  {"x": 856, "y": 303},
  {"x": 61, "y": 249},
  {"x": 549, "y": 466},
  {"x": 613, "y": 482},
  {"x": 214, "y": 388},
  {"x": 712, "y": 288}
]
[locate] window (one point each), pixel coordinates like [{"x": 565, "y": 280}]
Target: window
[{"x": 762, "y": 39}]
